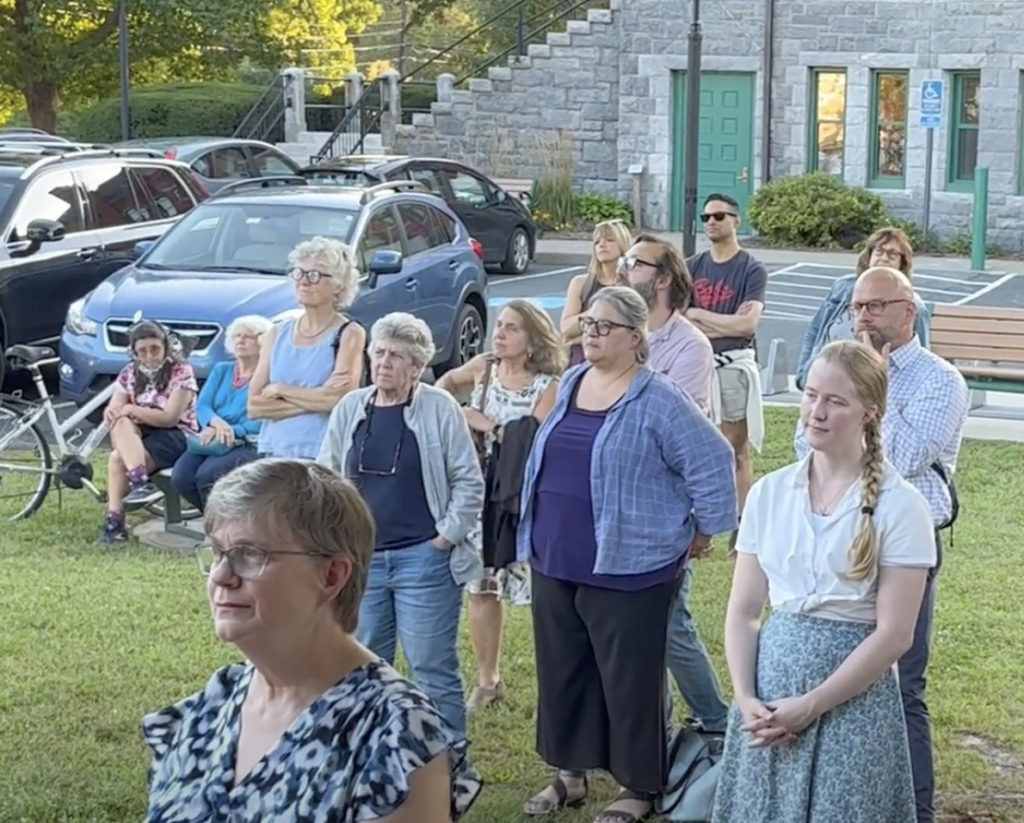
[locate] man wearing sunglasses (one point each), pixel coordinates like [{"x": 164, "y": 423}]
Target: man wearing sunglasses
[{"x": 728, "y": 298}]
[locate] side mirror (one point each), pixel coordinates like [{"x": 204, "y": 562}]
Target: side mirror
[
  {"x": 385, "y": 261},
  {"x": 501, "y": 196},
  {"x": 42, "y": 230},
  {"x": 142, "y": 247}
]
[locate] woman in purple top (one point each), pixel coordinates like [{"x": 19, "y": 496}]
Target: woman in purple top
[{"x": 625, "y": 476}]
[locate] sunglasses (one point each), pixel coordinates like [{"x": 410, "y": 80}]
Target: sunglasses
[
  {"x": 630, "y": 263},
  {"x": 718, "y": 215}
]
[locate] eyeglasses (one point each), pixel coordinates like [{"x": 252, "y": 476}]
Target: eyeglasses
[
  {"x": 888, "y": 254},
  {"x": 602, "y": 328},
  {"x": 245, "y": 561},
  {"x": 874, "y": 307},
  {"x": 312, "y": 276},
  {"x": 719, "y": 216},
  {"x": 360, "y": 467},
  {"x": 630, "y": 263}
]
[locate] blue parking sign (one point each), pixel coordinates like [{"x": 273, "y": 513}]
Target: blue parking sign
[{"x": 931, "y": 104}]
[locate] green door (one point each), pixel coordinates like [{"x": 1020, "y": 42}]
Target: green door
[{"x": 726, "y": 148}]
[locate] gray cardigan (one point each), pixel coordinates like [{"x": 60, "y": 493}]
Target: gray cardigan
[{"x": 452, "y": 480}]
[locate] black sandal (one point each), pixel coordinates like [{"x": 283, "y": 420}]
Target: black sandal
[
  {"x": 621, "y": 816},
  {"x": 540, "y": 806}
]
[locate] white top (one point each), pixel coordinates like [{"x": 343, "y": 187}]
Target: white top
[{"x": 805, "y": 560}]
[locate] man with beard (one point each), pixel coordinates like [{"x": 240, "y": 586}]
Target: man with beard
[
  {"x": 681, "y": 352},
  {"x": 926, "y": 408}
]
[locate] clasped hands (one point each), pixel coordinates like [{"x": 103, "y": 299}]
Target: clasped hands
[
  {"x": 778, "y": 722},
  {"x": 218, "y": 430}
]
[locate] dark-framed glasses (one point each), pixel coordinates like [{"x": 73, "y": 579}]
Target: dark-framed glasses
[
  {"x": 718, "y": 216},
  {"x": 602, "y": 328},
  {"x": 311, "y": 276},
  {"x": 245, "y": 561},
  {"x": 874, "y": 307},
  {"x": 630, "y": 263}
]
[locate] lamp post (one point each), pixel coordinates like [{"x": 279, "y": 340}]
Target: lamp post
[
  {"x": 122, "y": 48},
  {"x": 692, "y": 132}
]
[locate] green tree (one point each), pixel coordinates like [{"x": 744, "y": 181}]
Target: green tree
[{"x": 58, "y": 49}]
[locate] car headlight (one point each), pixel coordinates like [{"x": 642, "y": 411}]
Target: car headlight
[{"x": 77, "y": 322}]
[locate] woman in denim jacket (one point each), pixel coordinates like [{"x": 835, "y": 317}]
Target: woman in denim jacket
[{"x": 888, "y": 246}]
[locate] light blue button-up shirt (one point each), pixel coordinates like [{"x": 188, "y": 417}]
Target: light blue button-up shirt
[
  {"x": 660, "y": 473},
  {"x": 926, "y": 410}
]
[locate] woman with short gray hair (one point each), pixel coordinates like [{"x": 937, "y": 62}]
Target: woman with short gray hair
[
  {"x": 407, "y": 448},
  {"x": 228, "y": 436},
  {"x": 626, "y": 477},
  {"x": 308, "y": 363},
  {"x": 311, "y": 727}
]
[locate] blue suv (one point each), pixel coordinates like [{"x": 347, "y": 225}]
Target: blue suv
[{"x": 227, "y": 258}]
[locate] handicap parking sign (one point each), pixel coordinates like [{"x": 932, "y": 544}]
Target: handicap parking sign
[{"x": 931, "y": 104}]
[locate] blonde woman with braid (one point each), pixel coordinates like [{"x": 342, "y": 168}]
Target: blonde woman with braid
[{"x": 840, "y": 544}]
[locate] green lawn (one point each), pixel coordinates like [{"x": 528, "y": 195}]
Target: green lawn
[{"x": 92, "y": 638}]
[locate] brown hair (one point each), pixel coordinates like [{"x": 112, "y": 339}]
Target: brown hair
[
  {"x": 546, "y": 354},
  {"x": 308, "y": 505},
  {"x": 671, "y": 264},
  {"x": 888, "y": 234},
  {"x": 870, "y": 380}
]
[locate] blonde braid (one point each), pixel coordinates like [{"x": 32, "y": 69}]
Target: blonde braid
[{"x": 863, "y": 552}]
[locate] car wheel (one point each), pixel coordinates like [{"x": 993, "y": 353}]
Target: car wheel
[
  {"x": 517, "y": 258},
  {"x": 469, "y": 339}
]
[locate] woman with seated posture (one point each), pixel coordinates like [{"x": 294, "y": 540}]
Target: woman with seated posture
[
  {"x": 152, "y": 410},
  {"x": 312, "y": 727},
  {"x": 307, "y": 364},
  {"x": 227, "y": 437},
  {"x": 840, "y": 545}
]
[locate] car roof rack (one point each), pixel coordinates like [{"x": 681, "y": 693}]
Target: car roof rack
[
  {"x": 28, "y": 130},
  {"x": 51, "y": 153},
  {"x": 390, "y": 187},
  {"x": 278, "y": 181}
]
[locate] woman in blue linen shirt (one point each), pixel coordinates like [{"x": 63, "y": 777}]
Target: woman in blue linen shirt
[
  {"x": 626, "y": 476},
  {"x": 227, "y": 433}
]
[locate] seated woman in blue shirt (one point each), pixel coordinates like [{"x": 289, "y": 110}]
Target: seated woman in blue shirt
[
  {"x": 226, "y": 438},
  {"x": 627, "y": 476},
  {"x": 889, "y": 247}
]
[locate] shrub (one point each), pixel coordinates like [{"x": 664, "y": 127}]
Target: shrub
[
  {"x": 815, "y": 210},
  {"x": 553, "y": 197},
  {"x": 206, "y": 109},
  {"x": 592, "y": 207}
]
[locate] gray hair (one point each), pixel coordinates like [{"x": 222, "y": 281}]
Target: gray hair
[
  {"x": 335, "y": 260},
  {"x": 632, "y": 308},
  {"x": 308, "y": 506},
  {"x": 401, "y": 327},
  {"x": 252, "y": 323}
]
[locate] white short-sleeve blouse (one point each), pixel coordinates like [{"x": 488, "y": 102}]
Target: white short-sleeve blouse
[{"x": 805, "y": 565}]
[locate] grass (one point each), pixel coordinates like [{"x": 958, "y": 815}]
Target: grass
[{"x": 93, "y": 638}]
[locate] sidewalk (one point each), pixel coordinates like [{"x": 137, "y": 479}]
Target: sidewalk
[{"x": 559, "y": 251}]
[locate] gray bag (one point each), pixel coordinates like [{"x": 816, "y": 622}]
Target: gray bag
[{"x": 694, "y": 763}]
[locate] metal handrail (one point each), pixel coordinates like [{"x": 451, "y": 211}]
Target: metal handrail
[
  {"x": 357, "y": 109},
  {"x": 244, "y": 130}
]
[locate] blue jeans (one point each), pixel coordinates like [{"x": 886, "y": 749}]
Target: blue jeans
[
  {"x": 411, "y": 597},
  {"x": 193, "y": 475},
  {"x": 690, "y": 665}
]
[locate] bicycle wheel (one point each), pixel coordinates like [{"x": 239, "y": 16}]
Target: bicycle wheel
[{"x": 25, "y": 467}]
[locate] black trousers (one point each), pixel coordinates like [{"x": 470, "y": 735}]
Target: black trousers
[{"x": 601, "y": 679}]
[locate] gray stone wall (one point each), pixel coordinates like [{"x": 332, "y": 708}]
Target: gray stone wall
[{"x": 556, "y": 109}]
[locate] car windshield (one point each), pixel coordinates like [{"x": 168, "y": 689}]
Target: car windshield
[{"x": 246, "y": 237}]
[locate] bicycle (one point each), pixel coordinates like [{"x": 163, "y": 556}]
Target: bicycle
[{"x": 26, "y": 455}]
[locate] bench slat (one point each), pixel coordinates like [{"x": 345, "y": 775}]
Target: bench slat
[
  {"x": 948, "y": 323},
  {"x": 980, "y": 312},
  {"x": 952, "y": 352},
  {"x": 992, "y": 373},
  {"x": 980, "y": 338}
]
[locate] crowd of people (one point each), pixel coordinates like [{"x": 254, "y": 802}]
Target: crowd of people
[{"x": 348, "y": 504}]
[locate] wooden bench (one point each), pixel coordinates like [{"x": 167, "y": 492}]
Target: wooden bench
[
  {"x": 176, "y": 519},
  {"x": 520, "y": 189},
  {"x": 986, "y": 344}
]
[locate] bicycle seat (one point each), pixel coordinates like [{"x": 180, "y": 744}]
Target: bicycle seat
[{"x": 29, "y": 354}]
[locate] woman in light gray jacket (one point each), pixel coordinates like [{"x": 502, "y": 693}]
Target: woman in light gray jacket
[{"x": 407, "y": 447}]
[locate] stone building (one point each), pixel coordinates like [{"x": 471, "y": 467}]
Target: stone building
[{"x": 786, "y": 87}]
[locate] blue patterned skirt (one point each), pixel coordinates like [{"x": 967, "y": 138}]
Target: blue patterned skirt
[{"x": 852, "y": 765}]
